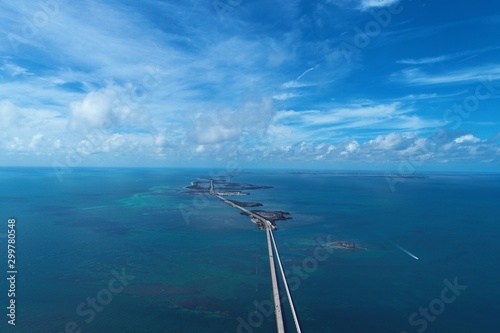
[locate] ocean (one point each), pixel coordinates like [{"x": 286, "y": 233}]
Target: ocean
[{"x": 127, "y": 250}]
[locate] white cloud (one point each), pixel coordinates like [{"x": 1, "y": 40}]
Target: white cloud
[
  {"x": 35, "y": 141},
  {"x": 14, "y": 144},
  {"x": 468, "y": 138},
  {"x": 216, "y": 133},
  {"x": 351, "y": 147},
  {"x": 445, "y": 57},
  {"x": 28, "y": 129},
  {"x": 433, "y": 96},
  {"x": 249, "y": 122},
  {"x": 391, "y": 141},
  {"x": 115, "y": 143},
  {"x": 422, "y": 61},
  {"x": 95, "y": 110},
  {"x": 110, "y": 107},
  {"x": 284, "y": 96},
  {"x": 394, "y": 147},
  {"x": 417, "y": 146},
  {"x": 296, "y": 84},
  {"x": 14, "y": 70},
  {"x": 8, "y": 114},
  {"x": 475, "y": 74},
  {"x": 368, "y": 4},
  {"x": 333, "y": 123},
  {"x": 200, "y": 149},
  {"x": 162, "y": 140}
]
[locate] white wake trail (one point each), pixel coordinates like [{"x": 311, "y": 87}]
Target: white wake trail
[{"x": 405, "y": 251}]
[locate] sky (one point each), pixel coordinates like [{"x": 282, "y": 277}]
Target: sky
[{"x": 401, "y": 85}]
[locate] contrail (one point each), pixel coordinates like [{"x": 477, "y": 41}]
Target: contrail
[
  {"x": 307, "y": 71},
  {"x": 405, "y": 251}
]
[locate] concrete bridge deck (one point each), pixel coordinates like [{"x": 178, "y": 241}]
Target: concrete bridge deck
[{"x": 269, "y": 227}]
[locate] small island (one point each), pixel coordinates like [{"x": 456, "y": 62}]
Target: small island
[
  {"x": 222, "y": 187},
  {"x": 272, "y": 215},
  {"x": 343, "y": 244}
]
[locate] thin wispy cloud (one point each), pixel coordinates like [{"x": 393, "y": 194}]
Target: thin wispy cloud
[
  {"x": 368, "y": 4},
  {"x": 474, "y": 74},
  {"x": 446, "y": 57},
  {"x": 284, "y": 96},
  {"x": 427, "y": 60},
  {"x": 296, "y": 83},
  {"x": 14, "y": 70},
  {"x": 330, "y": 125},
  {"x": 305, "y": 72}
]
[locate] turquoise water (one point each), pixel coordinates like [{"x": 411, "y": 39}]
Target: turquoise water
[{"x": 205, "y": 273}]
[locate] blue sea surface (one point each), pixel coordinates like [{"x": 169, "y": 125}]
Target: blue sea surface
[{"x": 127, "y": 250}]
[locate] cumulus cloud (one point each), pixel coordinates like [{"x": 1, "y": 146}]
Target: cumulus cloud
[
  {"x": 350, "y": 147},
  {"x": 441, "y": 146},
  {"x": 393, "y": 141},
  {"x": 216, "y": 133},
  {"x": 9, "y": 114},
  {"x": 394, "y": 147},
  {"x": 14, "y": 144},
  {"x": 323, "y": 151},
  {"x": 468, "y": 138},
  {"x": 28, "y": 130},
  {"x": 35, "y": 141},
  {"x": 110, "y": 107},
  {"x": 217, "y": 126},
  {"x": 390, "y": 141},
  {"x": 163, "y": 140},
  {"x": 95, "y": 110},
  {"x": 25, "y": 144}
]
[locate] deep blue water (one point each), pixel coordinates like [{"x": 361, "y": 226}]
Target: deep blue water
[{"x": 206, "y": 272}]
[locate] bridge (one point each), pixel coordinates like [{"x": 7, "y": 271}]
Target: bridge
[{"x": 273, "y": 250}]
